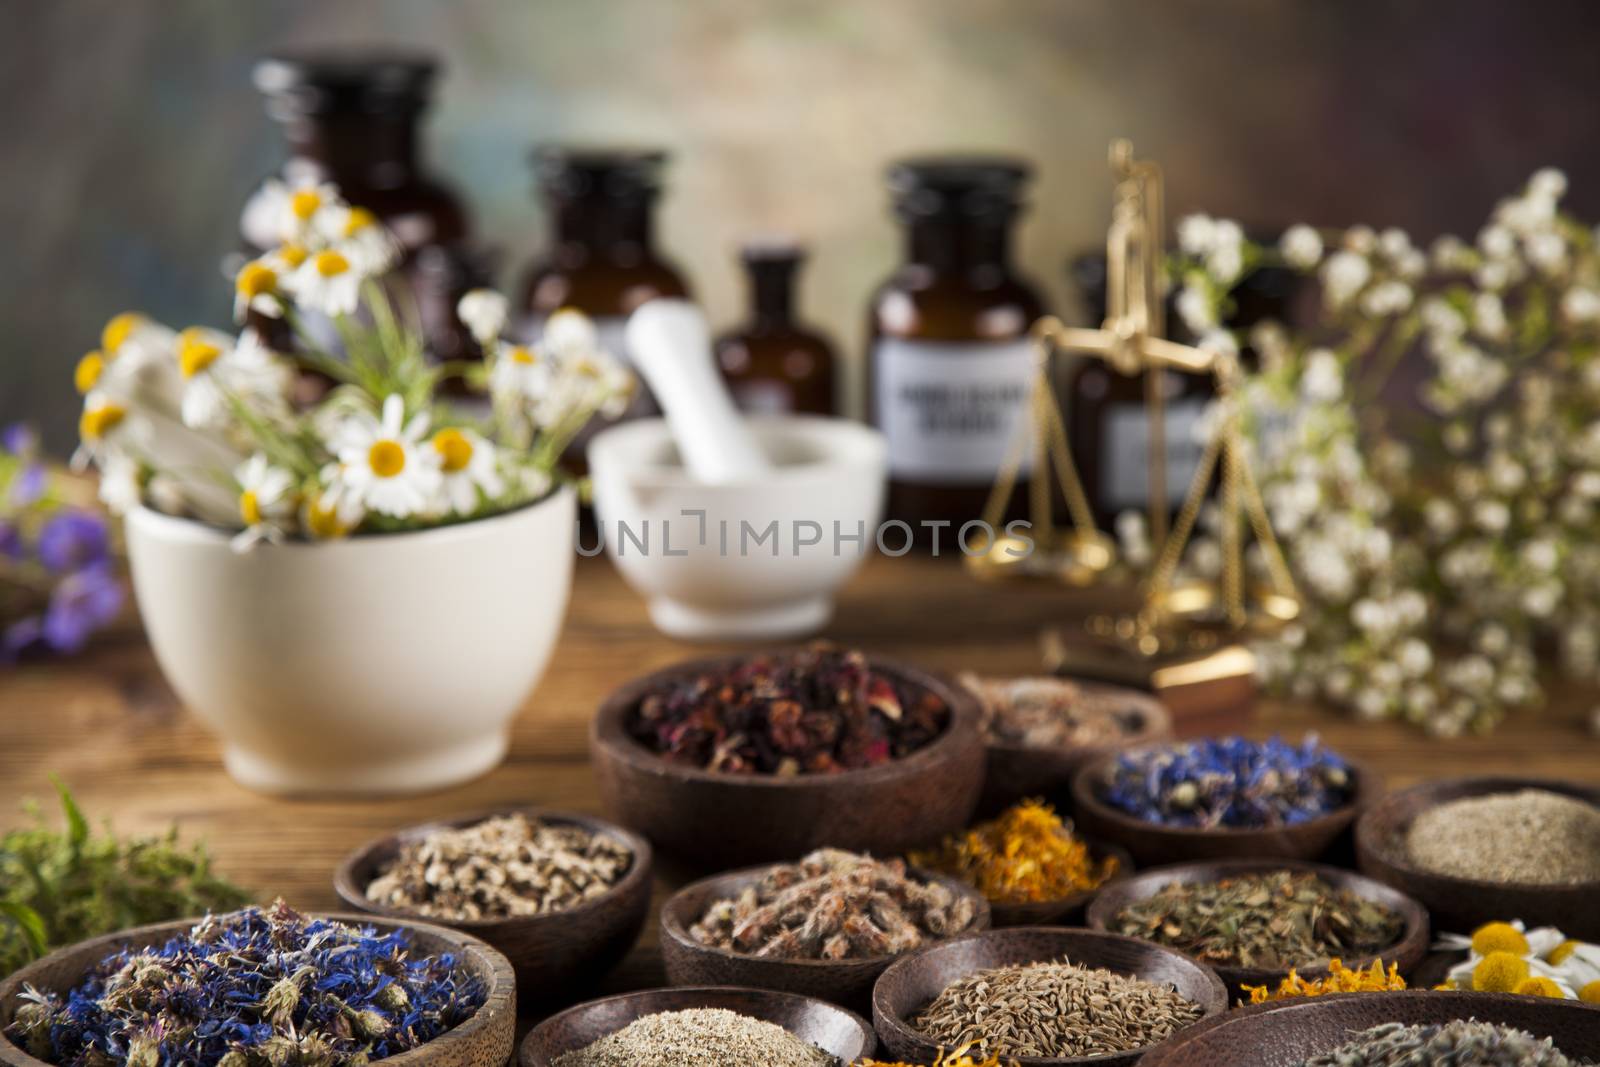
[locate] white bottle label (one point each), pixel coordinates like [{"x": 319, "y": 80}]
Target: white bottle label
[
  {"x": 1125, "y": 460},
  {"x": 951, "y": 410}
]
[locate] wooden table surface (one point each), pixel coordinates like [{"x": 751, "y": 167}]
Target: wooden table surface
[{"x": 109, "y": 725}]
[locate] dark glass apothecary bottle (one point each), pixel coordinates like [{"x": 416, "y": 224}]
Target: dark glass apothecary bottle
[
  {"x": 602, "y": 258},
  {"x": 950, "y": 363},
  {"x": 1107, "y": 414},
  {"x": 772, "y": 363},
  {"x": 352, "y": 117}
]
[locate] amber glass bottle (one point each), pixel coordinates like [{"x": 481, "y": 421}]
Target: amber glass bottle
[
  {"x": 772, "y": 364},
  {"x": 352, "y": 118},
  {"x": 950, "y": 365},
  {"x": 602, "y": 258}
]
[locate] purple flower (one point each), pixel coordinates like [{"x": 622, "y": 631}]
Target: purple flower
[
  {"x": 19, "y": 636},
  {"x": 28, "y": 486},
  {"x": 19, "y": 439},
  {"x": 73, "y": 540},
  {"x": 83, "y": 603}
]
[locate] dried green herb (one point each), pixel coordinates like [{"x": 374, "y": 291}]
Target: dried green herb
[
  {"x": 58, "y": 887},
  {"x": 1275, "y": 920}
]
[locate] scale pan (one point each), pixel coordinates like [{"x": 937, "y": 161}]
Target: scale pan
[{"x": 1070, "y": 558}]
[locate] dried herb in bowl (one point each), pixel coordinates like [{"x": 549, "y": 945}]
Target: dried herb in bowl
[
  {"x": 819, "y": 710},
  {"x": 507, "y": 866},
  {"x": 1272, "y": 920},
  {"x": 834, "y": 905},
  {"x": 1459, "y": 1043},
  {"x": 1028, "y": 855},
  {"x": 257, "y": 988},
  {"x": 1052, "y": 713},
  {"x": 1230, "y": 783}
]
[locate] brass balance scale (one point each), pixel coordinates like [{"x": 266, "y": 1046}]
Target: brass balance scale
[{"x": 1186, "y": 639}]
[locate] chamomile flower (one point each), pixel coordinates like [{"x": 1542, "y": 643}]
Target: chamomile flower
[
  {"x": 266, "y": 501},
  {"x": 1501, "y": 956},
  {"x": 598, "y": 382},
  {"x": 384, "y": 464},
  {"x": 326, "y": 517},
  {"x": 258, "y": 287},
  {"x": 215, "y": 368},
  {"x": 104, "y": 425},
  {"x": 281, "y": 213},
  {"x": 483, "y": 312},
  {"x": 120, "y": 489},
  {"x": 327, "y": 281},
  {"x": 522, "y": 373},
  {"x": 358, "y": 235},
  {"x": 467, "y": 463}
]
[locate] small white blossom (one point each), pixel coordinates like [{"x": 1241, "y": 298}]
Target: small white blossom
[
  {"x": 1343, "y": 276},
  {"x": 1197, "y": 234},
  {"x": 1195, "y": 308},
  {"x": 1581, "y": 304},
  {"x": 483, "y": 312},
  {"x": 1301, "y": 246}
]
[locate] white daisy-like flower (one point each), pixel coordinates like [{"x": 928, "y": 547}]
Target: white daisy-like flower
[
  {"x": 216, "y": 368},
  {"x": 570, "y": 334},
  {"x": 1301, "y": 246},
  {"x": 522, "y": 372},
  {"x": 467, "y": 463},
  {"x": 120, "y": 491},
  {"x": 258, "y": 287},
  {"x": 383, "y": 464},
  {"x": 359, "y": 235},
  {"x": 105, "y": 424},
  {"x": 594, "y": 381},
  {"x": 328, "y": 281},
  {"x": 324, "y": 516},
  {"x": 1581, "y": 304},
  {"x": 266, "y": 501},
  {"x": 280, "y": 213},
  {"x": 483, "y": 312},
  {"x": 1197, "y": 234},
  {"x": 1195, "y": 310}
]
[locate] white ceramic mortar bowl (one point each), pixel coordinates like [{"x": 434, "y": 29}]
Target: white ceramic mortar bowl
[
  {"x": 380, "y": 664},
  {"x": 737, "y": 581}
]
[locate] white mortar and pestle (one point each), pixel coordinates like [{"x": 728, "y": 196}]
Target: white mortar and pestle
[{"x": 730, "y": 528}]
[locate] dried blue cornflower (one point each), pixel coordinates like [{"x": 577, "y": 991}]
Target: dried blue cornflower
[
  {"x": 257, "y": 988},
  {"x": 1230, "y": 782}
]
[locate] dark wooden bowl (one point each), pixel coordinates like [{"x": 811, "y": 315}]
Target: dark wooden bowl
[
  {"x": 552, "y": 954},
  {"x": 1153, "y": 844},
  {"x": 1288, "y": 1033},
  {"x": 736, "y": 820},
  {"x": 485, "y": 1040},
  {"x": 844, "y": 982},
  {"x": 828, "y": 1026},
  {"x": 1068, "y": 911},
  {"x": 1461, "y": 905},
  {"x": 1407, "y": 951},
  {"x": 1018, "y": 772},
  {"x": 911, "y": 983}
]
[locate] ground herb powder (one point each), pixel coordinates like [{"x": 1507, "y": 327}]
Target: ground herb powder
[
  {"x": 699, "y": 1037},
  {"x": 1460, "y": 1043},
  {"x": 1530, "y": 837}
]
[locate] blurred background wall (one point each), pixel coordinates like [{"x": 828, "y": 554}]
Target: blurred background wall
[{"x": 131, "y": 134}]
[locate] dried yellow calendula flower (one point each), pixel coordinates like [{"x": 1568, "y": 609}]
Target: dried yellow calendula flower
[{"x": 1340, "y": 980}]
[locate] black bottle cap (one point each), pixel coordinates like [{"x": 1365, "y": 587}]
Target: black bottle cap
[
  {"x": 330, "y": 81},
  {"x": 576, "y": 170},
  {"x": 967, "y": 185},
  {"x": 771, "y": 250}
]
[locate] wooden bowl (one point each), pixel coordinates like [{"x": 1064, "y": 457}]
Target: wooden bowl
[
  {"x": 552, "y": 954},
  {"x": 1069, "y": 910},
  {"x": 1407, "y": 951},
  {"x": 1153, "y": 844},
  {"x": 1287, "y": 1033},
  {"x": 1460, "y": 905},
  {"x": 911, "y": 983},
  {"x": 485, "y": 1040},
  {"x": 828, "y": 1026},
  {"x": 845, "y": 982},
  {"x": 1019, "y": 772},
  {"x": 735, "y": 820}
]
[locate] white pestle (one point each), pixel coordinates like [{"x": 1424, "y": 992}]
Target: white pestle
[{"x": 669, "y": 344}]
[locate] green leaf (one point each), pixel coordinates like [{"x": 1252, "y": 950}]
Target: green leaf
[
  {"x": 29, "y": 923},
  {"x": 77, "y": 825}
]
